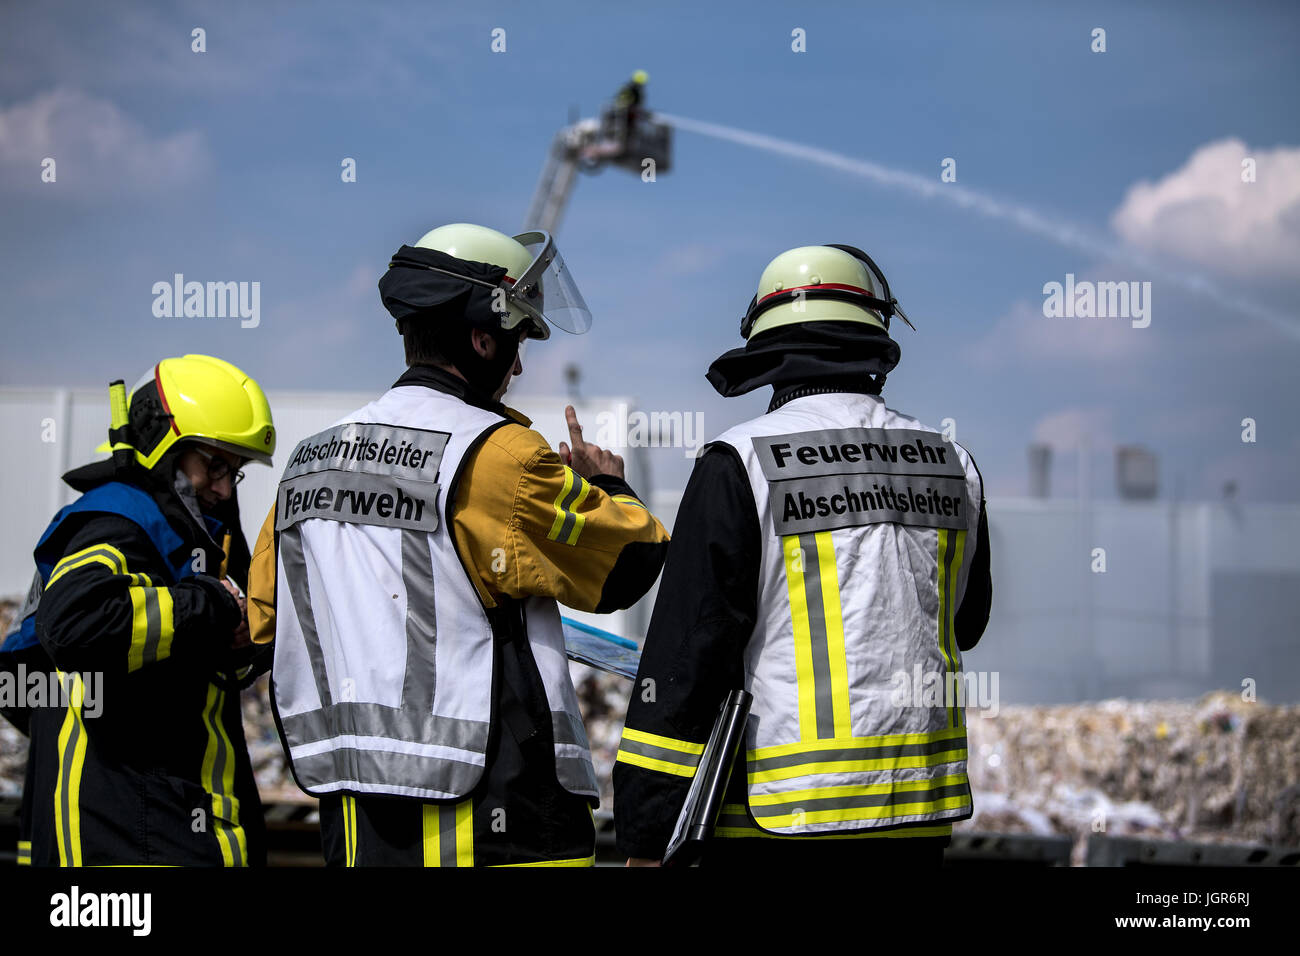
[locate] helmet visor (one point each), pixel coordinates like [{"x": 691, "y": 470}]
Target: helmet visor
[{"x": 547, "y": 290}]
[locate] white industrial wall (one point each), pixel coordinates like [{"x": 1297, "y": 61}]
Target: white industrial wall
[
  {"x": 30, "y": 489},
  {"x": 1194, "y": 596}
]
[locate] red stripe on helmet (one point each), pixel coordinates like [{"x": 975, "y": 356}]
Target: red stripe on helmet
[
  {"x": 820, "y": 285},
  {"x": 162, "y": 396}
]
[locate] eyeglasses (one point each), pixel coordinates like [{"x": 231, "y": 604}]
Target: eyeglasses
[{"x": 219, "y": 468}]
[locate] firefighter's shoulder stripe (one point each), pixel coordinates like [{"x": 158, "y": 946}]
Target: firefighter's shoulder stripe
[
  {"x": 104, "y": 554},
  {"x": 152, "y": 623},
  {"x": 568, "y": 522}
]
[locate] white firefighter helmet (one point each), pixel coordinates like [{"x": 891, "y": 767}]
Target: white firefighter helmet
[
  {"x": 831, "y": 283},
  {"x": 537, "y": 291}
]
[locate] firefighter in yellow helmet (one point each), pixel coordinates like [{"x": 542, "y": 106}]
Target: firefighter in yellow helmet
[
  {"x": 410, "y": 574},
  {"x": 826, "y": 554},
  {"x": 627, "y": 104},
  {"x": 135, "y": 630}
]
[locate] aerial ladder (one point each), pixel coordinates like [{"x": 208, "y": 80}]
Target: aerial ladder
[{"x": 626, "y": 135}]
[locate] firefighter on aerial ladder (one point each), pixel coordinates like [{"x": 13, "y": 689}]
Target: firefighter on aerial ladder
[{"x": 627, "y": 106}]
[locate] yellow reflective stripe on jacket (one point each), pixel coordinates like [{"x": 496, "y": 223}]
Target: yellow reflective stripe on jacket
[
  {"x": 104, "y": 554},
  {"x": 24, "y": 853},
  {"x": 734, "y": 823},
  {"x": 510, "y": 537},
  {"x": 855, "y": 754},
  {"x": 653, "y": 752},
  {"x": 802, "y": 817},
  {"x": 219, "y": 781},
  {"x": 583, "y": 861},
  {"x": 841, "y": 804},
  {"x": 67, "y": 789},
  {"x": 349, "y": 830},
  {"x": 568, "y": 520},
  {"x": 449, "y": 834},
  {"x": 951, "y": 545},
  {"x": 821, "y": 667},
  {"x": 628, "y": 500},
  {"x": 579, "y": 519},
  {"x": 152, "y": 623}
]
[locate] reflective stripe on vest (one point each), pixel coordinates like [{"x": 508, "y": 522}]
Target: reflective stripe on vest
[
  {"x": 865, "y": 518},
  {"x": 384, "y": 652},
  {"x": 734, "y": 822}
]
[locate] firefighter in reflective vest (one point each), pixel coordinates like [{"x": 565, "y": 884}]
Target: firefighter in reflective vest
[
  {"x": 410, "y": 570},
  {"x": 826, "y": 555},
  {"x": 136, "y": 619}
]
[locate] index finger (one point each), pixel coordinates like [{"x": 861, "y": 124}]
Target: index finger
[{"x": 575, "y": 429}]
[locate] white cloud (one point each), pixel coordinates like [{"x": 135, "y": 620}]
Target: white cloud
[
  {"x": 97, "y": 148},
  {"x": 1024, "y": 335},
  {"x": 1205, "y": 214}
]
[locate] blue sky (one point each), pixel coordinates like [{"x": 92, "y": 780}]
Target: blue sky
[{"x": 225, "y": 165}]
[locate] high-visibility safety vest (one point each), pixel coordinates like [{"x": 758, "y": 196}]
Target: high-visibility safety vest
[
  {"x": 868, "y": 521},
  {"x": 384, "y": 652}
]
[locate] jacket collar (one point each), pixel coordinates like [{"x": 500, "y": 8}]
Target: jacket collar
[
  {"x": 789, "y": 393},
  {"x": 441, "y": 380},
  {"x": 827, "y": 355},
  {"x": 164, "y": 493}
]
